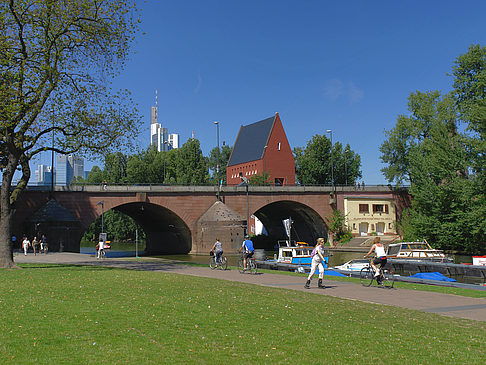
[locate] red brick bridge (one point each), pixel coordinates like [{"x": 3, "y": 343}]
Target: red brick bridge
[{"x": 183, "y": 219}]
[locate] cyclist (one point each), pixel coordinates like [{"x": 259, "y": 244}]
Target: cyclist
[
  {"x": 101, "y": 248},
  {"x": 217, "y": 250},
  {"x": 380, "y": 258},
  {"x": 249, "y": 250},
  {"x": 43, "y": 243},
  {"x": 317, "y": 260}
]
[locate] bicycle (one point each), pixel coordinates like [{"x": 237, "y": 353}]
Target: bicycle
[
  {"x": 251, "y": 265},
  {"x": 222, "y": 264},
  {"x": 386, "y": 278},
  {"x": 101, "y": 255}
]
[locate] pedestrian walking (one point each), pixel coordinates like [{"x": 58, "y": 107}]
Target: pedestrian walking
[
  {"x": 35, "y": 245},
  {"x": 317, "y": 260},
  {"x": 25, "y": 245}
]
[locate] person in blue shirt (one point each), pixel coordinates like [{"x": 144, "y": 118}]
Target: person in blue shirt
[{"x": 247, "y": 245}]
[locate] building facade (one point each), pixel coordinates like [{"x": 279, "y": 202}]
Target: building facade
[
  {"x": 259, "y": 147},
  {"x": 43, "y": 175},
  {"x": 68, "y": 167},
  {"x": 370, "y": 215},
  {"x": 159, "y": 136}
]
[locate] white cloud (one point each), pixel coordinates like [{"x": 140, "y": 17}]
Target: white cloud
[{"x": 335, "y": 89}]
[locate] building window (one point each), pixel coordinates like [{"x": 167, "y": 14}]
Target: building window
[
  {"x": 278, "y": 146},
  {"x": 364, "y": 208},
  {"x": 390, "y": 225},
  {"x": 354, "y": 226},
  {"x": 378, "y": 208}
]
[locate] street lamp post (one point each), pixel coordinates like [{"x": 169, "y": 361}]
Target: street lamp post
[
  {"x": 346, "y": 165},
  {"x": 164, "y": 151},
  {"x": 102, "y": 222},
  {"x": 332, "y": 162},
  {"x": 217, "y": 154},
  {"x": 245, "y": 182},
  {"x": 264, "y": 167}
]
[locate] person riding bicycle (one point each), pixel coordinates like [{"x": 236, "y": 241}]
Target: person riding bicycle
[
  {"x": 380, "y": 258},
  {"x": 217, "y": 250},
  {"x": 100, "y": 248},
  {"x": 43, "y": 243},
  {"x": 249, "y": 250}
]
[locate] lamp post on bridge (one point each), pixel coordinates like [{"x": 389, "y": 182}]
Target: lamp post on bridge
[
  {"x": 332, "y": 162},
  {"x": 217, "y": 155},
  {"x": 244, "y": 181},
  {"x": 102, "y": 222}
]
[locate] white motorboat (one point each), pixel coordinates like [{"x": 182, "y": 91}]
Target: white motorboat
[{"x": 416, "y": 251}]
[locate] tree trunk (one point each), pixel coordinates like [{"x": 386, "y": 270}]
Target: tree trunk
[{"x": 6, "y": 217}]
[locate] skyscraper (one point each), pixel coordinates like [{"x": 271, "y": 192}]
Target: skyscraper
[
  {"x": 159, "y": 136},
  {"x": 67, "y": 167},
  {"x": 43, "y": 175}
]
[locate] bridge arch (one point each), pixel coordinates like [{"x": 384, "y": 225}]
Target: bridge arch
[
  {"x": 308, "y": 224},
  {"x": 165, "y": 231}
]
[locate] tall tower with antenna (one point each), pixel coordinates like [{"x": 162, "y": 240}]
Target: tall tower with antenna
[{"x": 159, "y": 136}]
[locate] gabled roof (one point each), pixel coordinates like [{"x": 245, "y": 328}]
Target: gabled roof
[
  {"x": 52, "y": 212},
  {"x": 251, "y": 141}
]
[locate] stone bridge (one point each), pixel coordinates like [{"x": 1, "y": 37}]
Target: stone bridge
[{"x": 180, "y": 219}]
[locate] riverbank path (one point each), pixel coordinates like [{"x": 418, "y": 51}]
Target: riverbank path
[{"x": 443, "y": 304}]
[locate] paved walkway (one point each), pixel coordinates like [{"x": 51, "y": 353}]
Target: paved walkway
[{"x": 443, "y": 304}]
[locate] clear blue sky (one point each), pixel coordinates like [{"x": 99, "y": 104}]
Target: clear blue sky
[{"x": 348, "y": 66}]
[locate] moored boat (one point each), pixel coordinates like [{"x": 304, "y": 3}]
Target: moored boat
[
  {"x": 416, "y": 251},
  {"x": 479, "y": 260}
]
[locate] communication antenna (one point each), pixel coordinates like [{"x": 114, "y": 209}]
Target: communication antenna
[{"x": 156, "y": 108}]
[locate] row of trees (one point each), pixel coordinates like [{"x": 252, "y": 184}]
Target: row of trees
[
  {"x": 440, "y": 150},
  {"x": 188, "y": 165}
]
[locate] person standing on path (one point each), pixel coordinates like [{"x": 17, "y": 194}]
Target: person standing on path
[
  {"x": 25, "y": 245},
  {"x": 317, "y": 261}
]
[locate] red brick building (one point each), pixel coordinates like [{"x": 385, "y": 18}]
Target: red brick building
[{"x": 262, "y": 146}]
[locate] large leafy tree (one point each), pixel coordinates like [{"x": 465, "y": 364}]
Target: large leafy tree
[
  {"x": 318, "y": 161},
  {"x": 222, "y": 157},
  {"x": 444, "y": 163},
  {"x": 56, "y": 62},
  {"x": 192, "y": 166}
]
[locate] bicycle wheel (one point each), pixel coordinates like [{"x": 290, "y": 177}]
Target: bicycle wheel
[
  {"x": 240, "y": 265},
  {"x": 223, "y": 263},
  {"x": 388, "y": 278},
  {"x": 212, "y": 262},
  {"x": 366, "y": 276},
  {"x": 253, "y": 266}
]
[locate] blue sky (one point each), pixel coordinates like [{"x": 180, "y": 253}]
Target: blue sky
[{"x": 348, "y": 66}]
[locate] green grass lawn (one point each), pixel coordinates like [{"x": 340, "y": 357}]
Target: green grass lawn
[{"x": 69, "y": 314}]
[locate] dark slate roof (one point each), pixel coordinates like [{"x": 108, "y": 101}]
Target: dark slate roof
[
  {"x": 251, "y": 141},
  {"x": 52, "y": 212}
]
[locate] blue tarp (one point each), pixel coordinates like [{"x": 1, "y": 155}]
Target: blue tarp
[
  {"x": 431, "y": 276},
  {"x": 332, "y": 273}
]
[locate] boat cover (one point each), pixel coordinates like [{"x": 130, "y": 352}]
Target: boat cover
[
  {"x": 332, "y": 273},
  {"x": 431, "y": 276}
]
